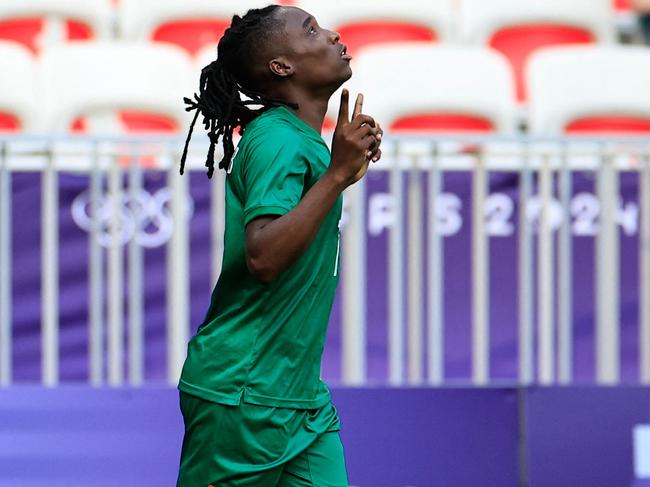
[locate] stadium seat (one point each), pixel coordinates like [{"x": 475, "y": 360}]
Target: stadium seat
[
  {"x": 40, "y": 23},
  {"x": 447, "y": 89},
  {"x": 17, "y": 92},
  {"x": 190, "y": 24},
  {"x": 622, "y": 5},
  {"x": 518, "y": 27},
  {"x": 144, "y": 82},
  {"x": 366, "y": 22},
  {"x": 590, "y": 90}
]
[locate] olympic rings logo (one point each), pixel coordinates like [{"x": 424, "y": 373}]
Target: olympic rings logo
[{"x": 146, "y": 218}]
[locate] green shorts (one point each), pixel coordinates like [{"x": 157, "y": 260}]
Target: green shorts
[{"x": 257, "y": 446}]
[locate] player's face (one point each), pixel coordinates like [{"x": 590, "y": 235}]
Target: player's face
[{"x": 318, "y": 58}]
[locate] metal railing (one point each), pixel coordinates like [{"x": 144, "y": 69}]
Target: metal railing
[{"x": 415, "y": 167}]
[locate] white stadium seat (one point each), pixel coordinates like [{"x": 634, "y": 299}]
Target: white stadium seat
[
  {"x": 40, "y": 23},
  {"x": 589, "y": 89},
  {"x": 367, "y": 22},
  {"x": 479, "y": 20},
  {"x": 520, "y": 27},
  {"x": 17, "y": 89},
  {"x": 439, "y": 88},
  {"x": 95, "y": 80},
  {"x": 190, "y": 24}
]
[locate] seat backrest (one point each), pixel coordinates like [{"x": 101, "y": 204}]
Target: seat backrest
[
  {"x": 589, "y": 89},
  {"x": 190, "y": 24},
  {"x": 18, "y": 103},
  {"x": 367, "y": 22},
  {"x": 39, "y": 23},
  {"x": 98, "y": 79},
  {"x": 412, "y": 86},
  {"x": 622, "y": 5},
  {"x": 518, "y": 28}
]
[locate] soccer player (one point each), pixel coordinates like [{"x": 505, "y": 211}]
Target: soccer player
[{"x": 256, "y": 412}]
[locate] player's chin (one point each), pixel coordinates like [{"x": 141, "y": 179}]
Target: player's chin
[
  {"x": 346, "y": 72},
  {"x": 342, "y": 74}
]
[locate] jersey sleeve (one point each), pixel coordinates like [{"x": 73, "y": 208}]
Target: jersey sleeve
[{"x": 275, "y": 170}]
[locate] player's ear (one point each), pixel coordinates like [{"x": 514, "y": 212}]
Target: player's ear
[{"x": 280, "y": 67}]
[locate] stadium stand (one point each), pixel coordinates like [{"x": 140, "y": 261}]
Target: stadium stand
[
  {"x": 589, "y": 90},
  {"x": 519, "y": 27},
  {"x": 440, "y": 93},
  {"x": 40, "y": 23},
  {"x": 94, "y": 80},
  {"x": 190, "y": 24},
  {"x": 366, "y": 22},
  {"x": 17, "y": 91}
]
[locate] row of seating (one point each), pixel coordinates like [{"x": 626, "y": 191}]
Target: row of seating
[
  {"x": 116, "y": 87},
  {"x": 516, "y": 28},
  {"x": 466, "y": 20}
]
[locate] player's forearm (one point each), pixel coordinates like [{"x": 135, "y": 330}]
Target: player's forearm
[{"x": 276, "y": 244}]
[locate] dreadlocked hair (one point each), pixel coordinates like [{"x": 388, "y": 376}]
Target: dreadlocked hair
[{"x": 224, "y": 80}]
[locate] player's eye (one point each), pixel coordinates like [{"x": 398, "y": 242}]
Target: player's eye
[{"x": 311, "y": 29}]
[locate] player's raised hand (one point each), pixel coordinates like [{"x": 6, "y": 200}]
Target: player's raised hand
[{"x": 355, "y": 143}]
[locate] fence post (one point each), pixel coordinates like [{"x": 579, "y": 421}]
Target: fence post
[
  {"x": 50, "y": 272},
  {"x": 480, "y": 274},
  {"x": 607, "y": 276},
  {"x": 5, "y": 268}
]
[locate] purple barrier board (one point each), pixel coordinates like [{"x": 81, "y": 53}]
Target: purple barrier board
[
  {"x": 84, "y": 437},
  {"x": 76, "y": 436},
  {"x": 153, "y": 229},
  {"x": 582, "y": 436}
]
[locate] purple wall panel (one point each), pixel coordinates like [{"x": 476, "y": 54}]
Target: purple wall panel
[
  {"x": 583, "y": 435},
  {"x": 574, "y": 436},
  {"x": 77, "y": 436}
]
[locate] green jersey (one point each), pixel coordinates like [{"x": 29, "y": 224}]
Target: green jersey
[{"x": 263, "y": 343}]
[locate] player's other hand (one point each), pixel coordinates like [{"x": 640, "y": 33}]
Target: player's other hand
[{"x": 355, "y": 143}]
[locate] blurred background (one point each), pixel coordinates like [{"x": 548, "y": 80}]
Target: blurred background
[{"x": 492, "y": 326}]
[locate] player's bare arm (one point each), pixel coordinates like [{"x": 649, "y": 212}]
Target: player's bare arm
[{"x": 274, "y": 243}]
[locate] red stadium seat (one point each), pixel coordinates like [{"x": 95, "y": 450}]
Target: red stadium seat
[
  {"x": 623, "y": 5},
  {"x": 191, "y": 34},
  {"x": 356, "y": 35},
  {"x": 38, "y": 23},
  {"x": 590, "y": 90},
  {"x": 369, "y": 22},
  {"x": 519, "y": 42},
  {"x": 615, "y": 124},
  {"x": 132, "y": 122},
  {"x": 116, "y": 88},
  {"x": 518, "y": 28},
  {"x": 9, "y": 123},
  {"x": 189, "y": 24},
  {"x": 28, "y": 31},
  {"x": 442, "y": 123},
  {"x": 442, "y": 96}
]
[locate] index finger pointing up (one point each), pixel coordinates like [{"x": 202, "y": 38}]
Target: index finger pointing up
[
  {"x": 358, "y": 105},
  {"x": 343, "y": 109}
]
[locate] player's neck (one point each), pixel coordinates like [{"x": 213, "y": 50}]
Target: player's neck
[{"x": 312, "y": 112}]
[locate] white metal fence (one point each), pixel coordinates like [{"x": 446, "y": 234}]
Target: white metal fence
[{"x": 543, "y": 297}]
